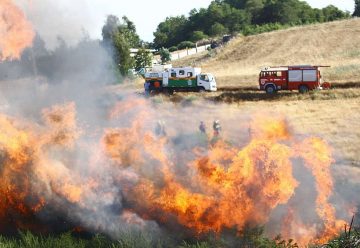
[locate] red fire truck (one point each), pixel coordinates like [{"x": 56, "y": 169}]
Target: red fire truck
[{"x": 298, "y": 77}]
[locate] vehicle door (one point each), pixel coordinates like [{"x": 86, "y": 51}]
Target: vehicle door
[{"x": 203, "y": 81}]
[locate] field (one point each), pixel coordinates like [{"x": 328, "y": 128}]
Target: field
[
  {"x": 93, "y": 160},
  {"x": 335, "y": 44}
]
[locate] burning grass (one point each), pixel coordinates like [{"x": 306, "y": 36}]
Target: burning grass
[{"x": 179, "y": 184}]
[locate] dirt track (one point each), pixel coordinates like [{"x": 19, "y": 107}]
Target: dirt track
[{"x": 230, "y": 94}]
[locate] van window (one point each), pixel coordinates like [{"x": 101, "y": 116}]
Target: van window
[
  {"x": 189, "y": 74},
  {"x": 181, "y": 72},
  {"x": 173, "y": 74}
]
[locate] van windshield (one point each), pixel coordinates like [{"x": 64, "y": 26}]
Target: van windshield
[{"x": 204, "y": 77}]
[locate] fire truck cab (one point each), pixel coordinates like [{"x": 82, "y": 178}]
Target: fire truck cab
[{"x": 298, "y": 77}]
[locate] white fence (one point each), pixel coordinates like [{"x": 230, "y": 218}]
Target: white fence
[{"x": 183, "y": 53}]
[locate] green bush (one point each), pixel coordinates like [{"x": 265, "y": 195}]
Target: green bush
[
  {"x": 173, "y": 49},
  {"x": 198, "y": 35},
  {"x": 165, "y": 55},
  {"x": 218, "y": 29},
  {"x": 186, "y": 44},
  {"x": 258, "y": 29}
]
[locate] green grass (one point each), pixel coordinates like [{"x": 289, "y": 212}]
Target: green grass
[
  {"x": 250, "y": 238},
  {"x": 253, "y": 238},
  {"x": 67, "y": 240}
]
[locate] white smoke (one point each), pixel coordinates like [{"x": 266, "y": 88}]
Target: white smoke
[{"x": 52, "y": 19}]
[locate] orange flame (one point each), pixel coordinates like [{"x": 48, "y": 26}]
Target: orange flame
[
  {"x": 229, "y": 188},
  {"x": 208, "y": 190},
  {"x": 15, "y": 31}
]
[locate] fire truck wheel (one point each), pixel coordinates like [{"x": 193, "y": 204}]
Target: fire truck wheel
[
  {"x": 270, "y": 89},
  {"x": 303, "y": 89}
]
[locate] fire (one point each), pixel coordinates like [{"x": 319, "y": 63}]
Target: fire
[
  {"x": 209, "y": 190},
  {"x": 232, "y": 187},
  {"x": 27, "y": 168},
  {"x": 15, "y": 31}
]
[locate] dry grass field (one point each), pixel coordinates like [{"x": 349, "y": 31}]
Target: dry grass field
[{"x": 336, "y": 44}]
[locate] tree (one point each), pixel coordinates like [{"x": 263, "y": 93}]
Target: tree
[
  {"x": 198, "y": 35},
  {"x": 357, "y": 8},
  {"x": 119, "y": 37},
  {"x": 143, "y": 58},
  {"x": 164, "y": 55},
  {"x": 122, "y": 54},
  {"x": 110, "y": 28},
  {"x": 171, "y": 32},
  {"x": 332, "y": 13},
  {"x": 128, "y": 30},
  {"x": 218, "y": 29}
]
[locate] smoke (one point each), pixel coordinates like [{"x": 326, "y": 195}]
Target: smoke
[
  {"x": 76, "y": 150},
  {"x": 52, "y": 19}
]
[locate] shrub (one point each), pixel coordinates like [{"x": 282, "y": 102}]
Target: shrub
[
  {"x": 198, "y": 35},
  {"x": 164, "y": 55},
  {"x": 186, "y": 44},
  {"x": 173, "y": 49},
  {"x": 258, "y": 29},
  {"x": 218, "y": 29}
]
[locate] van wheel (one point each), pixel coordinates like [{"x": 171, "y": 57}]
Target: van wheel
[
  {"x": 201, "y": 90},
  {"x": 169, "y": 92},
  {"x": 270, "y": 89},
  {"x": 303, "y": 89}
]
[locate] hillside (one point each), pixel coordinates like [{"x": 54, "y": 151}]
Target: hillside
[{"x": 336, "y": 44}]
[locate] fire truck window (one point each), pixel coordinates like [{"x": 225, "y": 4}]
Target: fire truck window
[
  {"x": 309, "y": 75},
  {"x": 173, "y": 74},
  {"x": 181, "y": 72},
  {"x": 278, "y": 74},
  {"x": 295, "y": 76},
  {"x": 189, "y": 74}
]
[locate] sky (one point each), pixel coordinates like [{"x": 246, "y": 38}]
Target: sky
[{"x": 71, "y": 18}]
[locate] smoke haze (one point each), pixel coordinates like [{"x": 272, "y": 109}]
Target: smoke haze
[{"x": 76, "y": 150}]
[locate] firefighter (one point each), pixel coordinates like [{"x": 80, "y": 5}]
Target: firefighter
[
  {"x": 202, "y": 127},
  {"x": 160, "y": 129},
  {"x": 217, "y": 128},
  {"x": 147, "y": 88}
]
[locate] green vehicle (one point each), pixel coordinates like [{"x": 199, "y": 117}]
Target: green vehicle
[{"x": 179, "y": 79}]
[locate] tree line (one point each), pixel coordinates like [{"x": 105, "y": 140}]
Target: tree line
[{"x": 240, "y": 16}]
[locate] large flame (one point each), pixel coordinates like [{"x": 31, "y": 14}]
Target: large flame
[
  {"x": 15, "y": 31},
  {"x": 231, "y": 187},
  {"x": 210, "y": 189}
]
